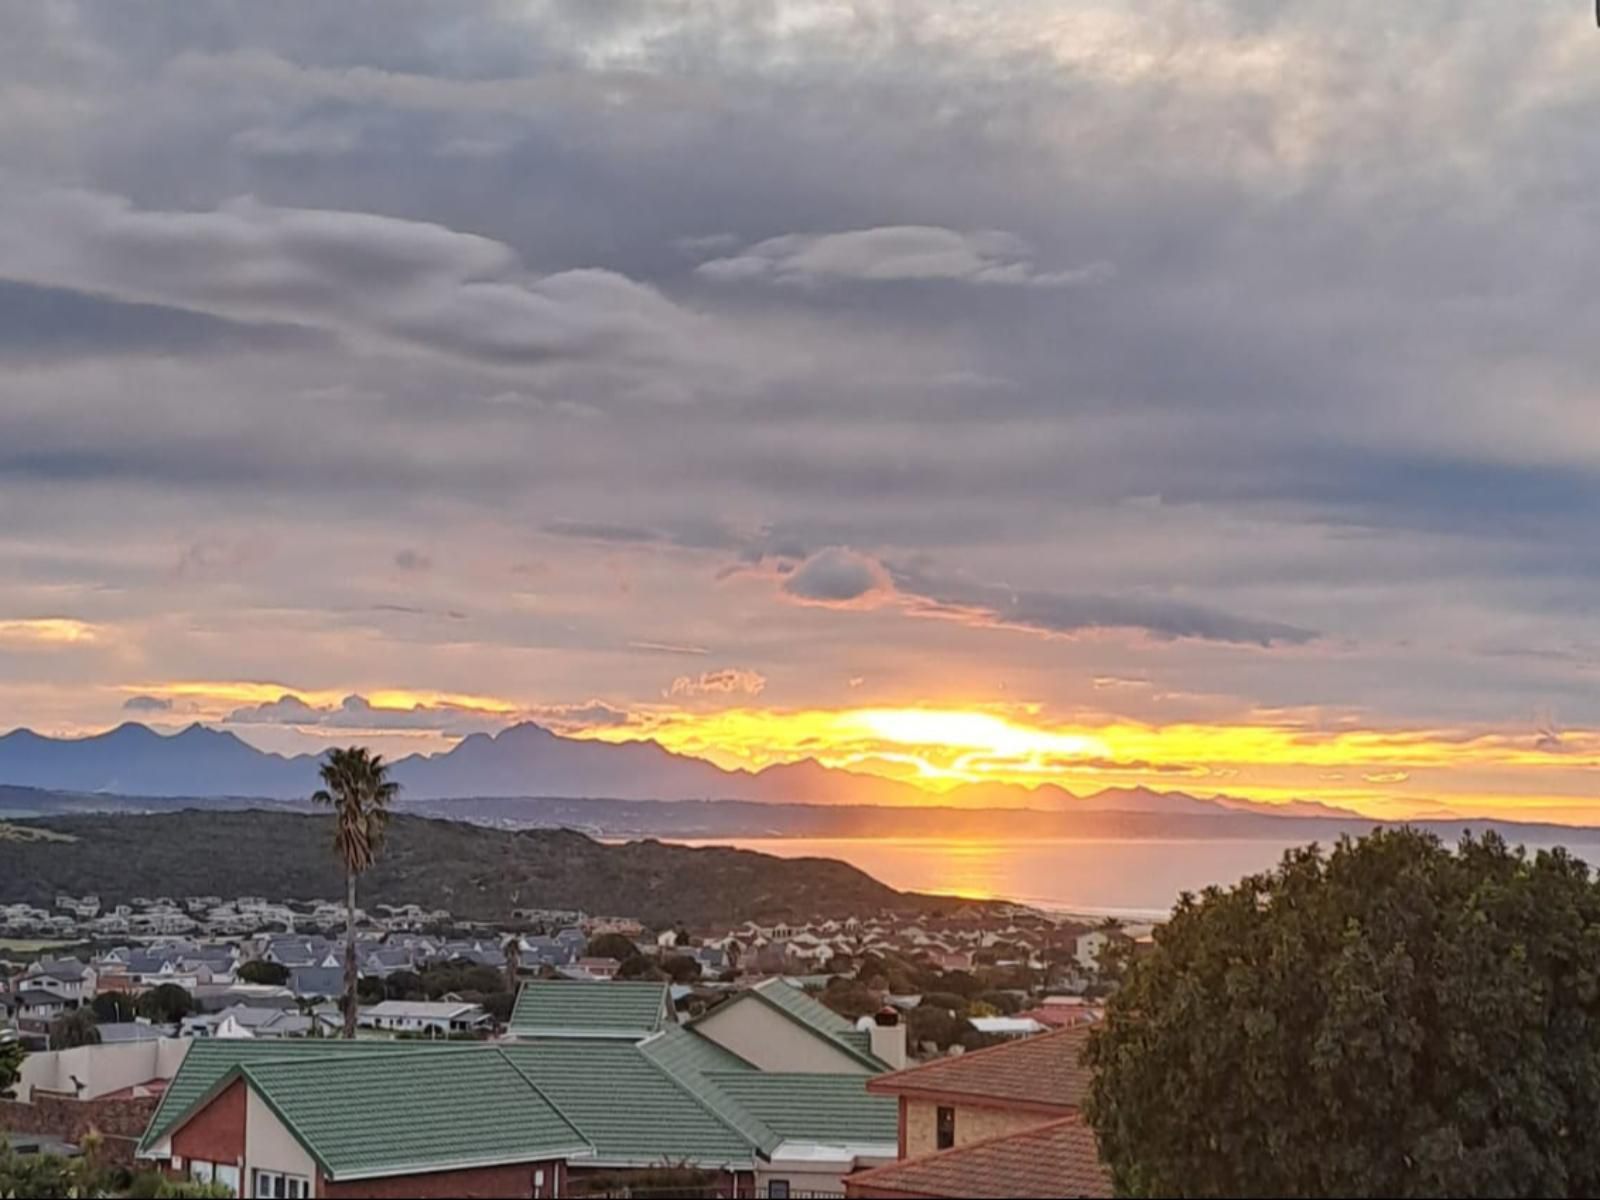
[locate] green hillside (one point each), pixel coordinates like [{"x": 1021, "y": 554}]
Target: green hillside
[{"x": 476, "y": 872}]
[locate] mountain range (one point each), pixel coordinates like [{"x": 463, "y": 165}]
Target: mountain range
[{"x": 528, "y": 760}]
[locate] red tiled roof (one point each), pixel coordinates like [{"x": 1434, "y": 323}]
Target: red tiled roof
[
  {"x": 1041, "y": 1072},
  {"x": 1054, "y": 1161},
  {"x": 150, "y": 1087}
]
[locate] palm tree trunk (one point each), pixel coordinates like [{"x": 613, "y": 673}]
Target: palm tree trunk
[{"x": 350, "y": 954}]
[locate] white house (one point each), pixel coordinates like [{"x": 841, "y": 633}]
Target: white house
[
  {"x": 1087, "y": 950},
  {"x": 430, "y": 1017}
]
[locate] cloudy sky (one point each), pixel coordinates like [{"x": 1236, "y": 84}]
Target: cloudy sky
[{"x": 1141, "y": 391}]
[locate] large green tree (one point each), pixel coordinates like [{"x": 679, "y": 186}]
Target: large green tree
[
  {"x": 12, "y": 1052},
  {"x": 356, "y": 785},
  {"x": 165, "y": 1004},
  {"x": 1391, "y": 1018}
]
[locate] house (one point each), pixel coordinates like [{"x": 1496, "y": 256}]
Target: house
[
  {"x": 555, "y": 1009},
  {"x": 1060, "y": 1012},
  {"x": 248, "y": 1021},
  {"x": 638, "y": 1099},
  {"x": 66, "y": 977},
  {"x": 778, "y": 1027},
  {"x": 337, "y": 1122},
  {"x": 36, "y": 1008},
  {"x": 1086, "y": 951},
  {"x": 1057, "y": 1159},
  {"x": 967, "y": 1098},
  {"x": 437, "y": 1019},
  {"x": 598, "y": 968}
]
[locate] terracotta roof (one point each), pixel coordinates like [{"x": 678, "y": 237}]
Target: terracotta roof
[
  {"x": 1042, "y": 1072},
  {"x": 1056, "y": 1160}
]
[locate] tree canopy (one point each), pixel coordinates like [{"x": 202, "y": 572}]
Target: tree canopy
[
  {"x": 1391, "y": 1018},
  {"x": 12, "y": 1052},
  {"x": 73, "y": 1028},
  {"x": 165, "y": 1004},
  {"x": 261, "y": 971}
]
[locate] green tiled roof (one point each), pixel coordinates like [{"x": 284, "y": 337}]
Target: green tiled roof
[
  {"x": 553, "y": 1008},
  {"x": 690, "y": 1058},
  {"x": 361, "y": 1115},
  {"x": 206, "y": 1062},
  {"x": 631, "y": 1110},
  {"x": 812, "y": 1108}
]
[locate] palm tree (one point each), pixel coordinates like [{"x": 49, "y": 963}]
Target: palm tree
[{"x": 359, "y": 790}]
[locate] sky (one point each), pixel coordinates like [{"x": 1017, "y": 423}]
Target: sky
[{"x": 1188, "y": 393}]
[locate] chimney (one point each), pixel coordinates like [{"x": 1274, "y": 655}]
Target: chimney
[{"x": 888, "y": 1038}]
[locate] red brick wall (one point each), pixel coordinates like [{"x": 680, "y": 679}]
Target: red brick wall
[
  {"x": 215, "y": 1133},
  {"x": 120, "y": 1123},
  {"x": 485, "y": 1182}
]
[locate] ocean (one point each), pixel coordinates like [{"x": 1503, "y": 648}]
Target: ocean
[{"x": 1130, "y": 878}]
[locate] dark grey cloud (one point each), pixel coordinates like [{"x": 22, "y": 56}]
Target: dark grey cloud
[
  {"x": 409, "y": 559},
  {"x": 37, "y": 321},
  {"x": 601, "y": 531},
  {"x": 835, "y": 576},
  {"x": 1048, "y": 612},
  {"x": 357, "y": 712},
  {"x": 147, "y": 704}
]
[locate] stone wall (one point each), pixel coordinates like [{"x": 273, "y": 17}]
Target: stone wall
[{"x": 120, "y": 1123}]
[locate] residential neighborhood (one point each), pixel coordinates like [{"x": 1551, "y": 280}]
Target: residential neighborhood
[{"x": 564, "y": 1054}]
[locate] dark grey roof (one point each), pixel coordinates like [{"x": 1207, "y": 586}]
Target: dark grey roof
[{"x": 317, "y": 981}]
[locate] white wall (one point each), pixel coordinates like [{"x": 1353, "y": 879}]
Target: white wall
[
  {"x": 268, "y": 1146},
  {"x": 101, "y": 1069}
]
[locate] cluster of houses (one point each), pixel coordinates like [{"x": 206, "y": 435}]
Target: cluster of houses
[
  {"x": 604, "y": 1088},
  {"x": 201, "y": 916},
  {"x": 1025, "y": 937}
]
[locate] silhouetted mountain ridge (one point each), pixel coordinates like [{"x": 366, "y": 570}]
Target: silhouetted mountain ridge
[{"x": 528, "y": 760}]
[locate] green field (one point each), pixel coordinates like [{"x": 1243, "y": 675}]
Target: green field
[
  {"x": 22, "y": 833},
  {"x": 31, "y": 946}
]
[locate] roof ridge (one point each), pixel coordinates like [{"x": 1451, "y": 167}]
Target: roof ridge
[
  {"x": 543, "y": 1095},
  {"x": 672, "y": 1077}
]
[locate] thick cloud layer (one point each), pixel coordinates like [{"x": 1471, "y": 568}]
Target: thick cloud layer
[{"x": 1242, "y": 350}]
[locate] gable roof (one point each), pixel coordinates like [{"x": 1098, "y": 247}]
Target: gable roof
[
  {"x": 554, "y": 1008},
  {"x": 633, "y": 1112},
  {"x": 206, "y": 1061},
  {"x": 771, "y": 1108},
  {"x": 790, "y": 1002},
  {"x": 1053, "y": 1160},
  {"x": 1043, "y": 1073},
  {"x": 364, "y": 1115},
  {"x": 835, "y": 1109}
]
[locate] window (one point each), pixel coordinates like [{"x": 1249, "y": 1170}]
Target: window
[
  {"x": 778, "y": 1189},
  {"x": 945, "y": 1128},
  {"x": 275, "y": 1185},
  {"x": 200, "y": 1171}
]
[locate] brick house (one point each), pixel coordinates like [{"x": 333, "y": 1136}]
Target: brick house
[
  {"x": 967, "y": 1098},
  {"x": 1001, "y": 1122},
  {"x": 444, "y": 1122}
]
